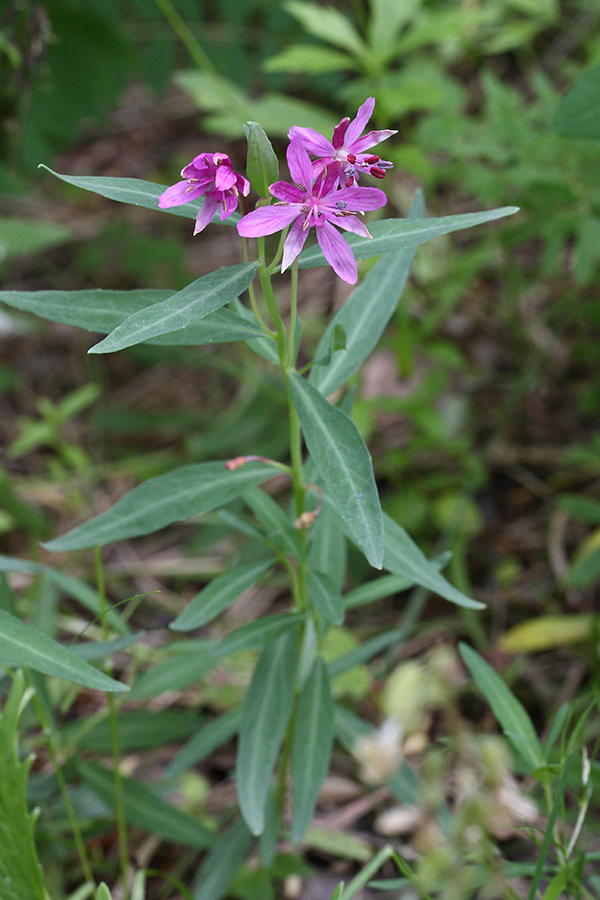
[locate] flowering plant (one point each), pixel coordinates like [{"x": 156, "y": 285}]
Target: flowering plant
[{"x": 289, "y": 719}]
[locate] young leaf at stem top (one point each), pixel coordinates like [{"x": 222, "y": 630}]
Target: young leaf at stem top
[{"x": 262, "y": 166}]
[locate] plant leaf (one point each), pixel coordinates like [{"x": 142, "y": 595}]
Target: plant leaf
[
  {"x": 145, "y": 809},
  {"x": 21, "y": 875},
  {"x": 74, "y": 588},
  {"x": 328, "y": 24},
  {"x": 403, "y": 557},
  {"x": 222, "y": 863},
  {"x": 343, "y": 461},
  {"x": 103, "y": 311},
  {"x": 256, "y": 634},
  {"x": 221, "y": 591},
  {"x": 176, "y": 672},
  {"x": 266, "y": 712},
  {"x": 262, "y": 167},
  {"x": 195, "y": 301},
  {"x": 188, "y": 491},
  {"x": 326, "y": 596},
  {"x": 23, "y": 645},
  {"x": 207, "y": 739},
  {"x": 399, "y": 234},
  {"x": 578, "y": 113},
  {"x": 312, "y": 744},
  {"x": 136, "y": 192},
  {"x": 545, "y": 633},
  {"x": 365, "y": 315},
  {"x": 510, "y": 712}
]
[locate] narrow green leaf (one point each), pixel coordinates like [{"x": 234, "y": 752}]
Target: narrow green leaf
[
  {"x": 262, "y": 167},
  {"x": 578, "y": 113},
  {"x": 399, "y": 234},
  {"x": 325, "y": 594},
  {"x": 145, "y": 809},
  {"x": 21, "y": 876},
  {"x": 309, "y": 60},
  {"x": 328, "y": 546},
  {"x": 266, "y": 712},
  {"x": 103, "y": 892},
  {"x": 91, "y": 650},
  {"x": 188, "y": 491},
  {"x": 274, "y": 520},
  {"x": 365, "y": 314},
  {"x": 328, "y": 24},
  {"x": 72, "y": 587},
  {"x": 23, "y": 645},
  {"x": 176, "y": 672},
  {"x": 343, "y": 461},
  {"x": 195, "y": 301},
  {"x": 256, "y": 634},
  {"x": 510, "y": 712},
  {"x": 136, "y": 192},
  {"x": 377, "y": 589},
  {"x": 217, "y": 596},
  {"x": 137, "y": 729},
  {"x": 312, "y": 744},
  {"x": 102, "y": 311},
  {"x": 403, "y": 557},
  {"x": 207, "y": 739},
  {"x": 222, "y": 863}
]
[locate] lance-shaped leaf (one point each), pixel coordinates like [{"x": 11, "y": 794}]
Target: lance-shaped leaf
[
  {"x": 266, "y": 712},
  {"x": 23, "y": 645},
  {"x": 343, "y": 461},
  {"x": 256, "y": 634},
  {"x": 195, "y": 301},
  {"x": 101, "y": 310},
  {"x": 178, "y": 495},
  {"x": 578, "y": 113},
  {"x": 262, "y": 167},
  {"x": 311, "y": 746},
  {"x": 144, "y": 808},
  {"x": 136, "y": 192},
  {"x": 399, "y": 234},
  {"x": 365, "y": 315},
  {"x": 403, "y": 557},
  {"x": 326, "y": 596},
  {"x": 21, "y": 876},
  {"x": 509, "y": 711},
  {"x": 207, "y": 739},
  {"x": 221, "y": 591}
]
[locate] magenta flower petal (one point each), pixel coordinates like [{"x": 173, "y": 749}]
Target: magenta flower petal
[
  {"x": 268, "y": 219},
  {"x": 339, "y": 133},
  {"x": 225, "y": 178},
  {"x": 311, "y": 140},
  {"x": 300, "y": 165},
  {"x": 294, "y": 243},
  {"x": 205, "y": 214},
  {"x": 228, "y": 204},
  {"x": 359, "y": 199},
  {"x": 365, "y": 111},
  {"x": 179, "y": 193},
  {"x": 353, "y": 224},
  {"x": 371, "y": 139},
  {"x": 287, "y": 192},
  {"x": 337, "y": 253}
]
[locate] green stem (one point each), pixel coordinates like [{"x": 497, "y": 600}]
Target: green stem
[
  {"x": 253, "y": 300},
  {"x": 267, "y": 288},
  {"x": 114, "y": 739},
  {"x": 54, "y": 756},
  {"x": 291, "y": 354}
]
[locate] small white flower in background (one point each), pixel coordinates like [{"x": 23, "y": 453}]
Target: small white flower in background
[{"x": 380, "y": 753}]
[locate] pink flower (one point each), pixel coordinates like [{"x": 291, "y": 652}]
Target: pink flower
[
  {"x": 346, "y": 150},
  {"x": 319, "y": 202},
  {"x": 209, "y": 175}
]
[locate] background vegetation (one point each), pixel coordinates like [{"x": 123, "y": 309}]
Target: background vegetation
[{"x": 480, "y": 408}]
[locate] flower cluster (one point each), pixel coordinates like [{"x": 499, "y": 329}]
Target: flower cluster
[
  {"x": 324, "y": 192},
  {"x": 209, "y": 175}
]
